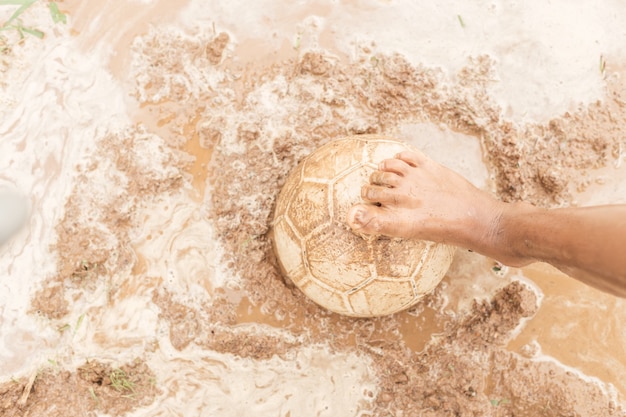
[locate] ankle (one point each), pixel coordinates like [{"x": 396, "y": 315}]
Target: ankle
[
  {"x": 506, "y": 237},
  {"x": 484, "y": 229}
]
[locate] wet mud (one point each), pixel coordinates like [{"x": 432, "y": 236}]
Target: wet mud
[{"x": 160, "y": 270}]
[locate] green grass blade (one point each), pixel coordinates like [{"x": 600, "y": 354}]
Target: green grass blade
[
  {"x": 79, "y": 322},
  {"x": 461, "y": 22},
  {"x": 24, "y": 5},
  {"x": 14, "y": 2},
  {"x": 57, "y": 15},
  {"x": 37, "y": 33}
]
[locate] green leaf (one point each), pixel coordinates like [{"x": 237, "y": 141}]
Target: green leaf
[
  {"x": 13, "y": 2},
  {"x": 57, "y": 15},
  {"x": 37, "y": 33},
  {"x": 25, "y": 4}
]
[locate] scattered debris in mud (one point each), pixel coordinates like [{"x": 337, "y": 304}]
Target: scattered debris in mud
[{"x": 92, "y": 387}]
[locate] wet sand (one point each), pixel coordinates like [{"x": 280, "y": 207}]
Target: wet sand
[{"x": 153, "y": 138}]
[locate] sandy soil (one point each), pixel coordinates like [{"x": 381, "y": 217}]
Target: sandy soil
[{"x": 252, "y": 124}]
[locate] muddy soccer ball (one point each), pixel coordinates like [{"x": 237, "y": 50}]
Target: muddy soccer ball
[{"x": 340, "y": 270}]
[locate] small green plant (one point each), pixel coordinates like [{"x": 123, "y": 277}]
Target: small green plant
[
  {"x": 121, "y": 383},
  {"x": 57, "y": 15},
  {"x": 14, "y": 23},
  {"x": 502, "y": 401}
]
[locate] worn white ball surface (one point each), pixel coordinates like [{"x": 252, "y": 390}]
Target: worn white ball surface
[{"x": 340, "y": 270}]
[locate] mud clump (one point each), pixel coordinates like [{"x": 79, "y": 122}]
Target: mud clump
[
  {"x": 215, "y": 48},
  {"x": 467, "y": 371},
  {"x": 93, "y": 238},
  {"x": 490, "y": 323},
  {"x": 93, "y": 387}
]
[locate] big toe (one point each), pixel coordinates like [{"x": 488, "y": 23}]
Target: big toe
[{"x": 364, "y": 219}]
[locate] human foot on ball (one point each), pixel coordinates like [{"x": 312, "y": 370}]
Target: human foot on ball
[{"x": 411, "y": 196}]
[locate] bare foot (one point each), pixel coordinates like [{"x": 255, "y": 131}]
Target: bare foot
[{"x": 411, "y": 196}]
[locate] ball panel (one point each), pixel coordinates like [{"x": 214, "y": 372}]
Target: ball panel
[
  {"x": 347, "y": 190},
  {"x": 379, "y": 298},
  {"x": 397, "y": 258},
  {"x": 287, "y": 192},
  {"x": 359, "y": 305},
  {"x": 434, "y": 267},
  {"x": 288, "y": 245},
  {"x": 332, "y": 159},
  {"x": 309, "y": 207},
  {"x": 338, "y": 257},
  {"x": 326, "y": 297},
  {"x": 300, "y": 276}
]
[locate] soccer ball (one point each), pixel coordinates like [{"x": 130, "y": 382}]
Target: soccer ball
[{"x": 348, "y": 273}]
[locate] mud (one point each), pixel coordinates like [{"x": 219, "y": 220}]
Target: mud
[
  {"x": 91, "y": 389},
  {"x": 212, "y": 139}
]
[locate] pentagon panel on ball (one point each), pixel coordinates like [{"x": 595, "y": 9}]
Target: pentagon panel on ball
[{"x": 348, "y": 273}]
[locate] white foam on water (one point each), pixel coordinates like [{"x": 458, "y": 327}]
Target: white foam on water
[
  {"x": 178, "y": 228},
  {"x": 57, "y": 101},
  {"x": 311, "y": 381},
  {"x": 547, "y": 53}
]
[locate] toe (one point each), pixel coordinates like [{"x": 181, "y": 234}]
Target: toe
[
  {"x": 413, "y": 158},
  {"x": 396, "y": 166},
  {"x": 364, "y": 219},
  {"x": 387, "y": 179},
  {"x": 380, "y": 194}
]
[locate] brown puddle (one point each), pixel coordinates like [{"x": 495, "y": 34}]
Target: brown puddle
[
  {"x": 577, "y": 325},
  {"x": 202, "y": 152}
]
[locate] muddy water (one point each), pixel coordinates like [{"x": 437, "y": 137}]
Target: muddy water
[
  {"x": 577, "y": 325},
  {"x": 86, "y": 70}
]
